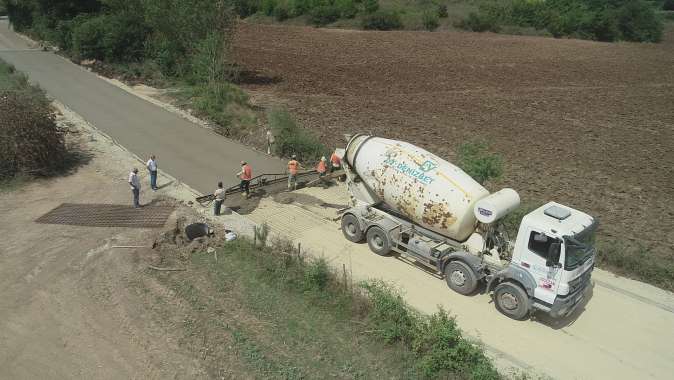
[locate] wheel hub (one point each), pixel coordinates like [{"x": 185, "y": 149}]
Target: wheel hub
[
  {"x": 351, "y": 228},
  {"x": 509, "y": 301},
  {"x": 378, "y": 241},
  {"x": 458, "y": 278}
]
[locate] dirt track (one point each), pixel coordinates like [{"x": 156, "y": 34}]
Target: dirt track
[{"x": 587, "y": 124}]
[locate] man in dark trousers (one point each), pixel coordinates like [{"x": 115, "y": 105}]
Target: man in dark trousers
[
  {"x": 134, "y": 182},
  {"x": 219, "y": 198},
  {"x": 152, "y": 168},
  {"x": 246, "y": 174}
]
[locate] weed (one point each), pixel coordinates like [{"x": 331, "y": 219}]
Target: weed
[
  {"x": 636, "y": 261},
  {"x": 291, "y": 139},
  {"x": 382, "y": 20},
  {"x": 476, "y": 161},
  {"x": 430, "y": 20}
]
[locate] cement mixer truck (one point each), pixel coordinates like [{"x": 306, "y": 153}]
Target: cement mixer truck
[{"x": 408, "y": 201}]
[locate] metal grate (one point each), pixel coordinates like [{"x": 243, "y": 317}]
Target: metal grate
[{"x": 102, "y": 215}]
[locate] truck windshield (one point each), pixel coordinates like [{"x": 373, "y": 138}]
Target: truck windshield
[{"x": 579, "y": 248}]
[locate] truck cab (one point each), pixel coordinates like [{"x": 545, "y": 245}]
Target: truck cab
[{"x": 552, "y": 260}]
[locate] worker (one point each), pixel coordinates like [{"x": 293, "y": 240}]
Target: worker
[
  {"x": 219, "y": 195},
  {"x": 246, "y": 174},
  {"x": 335, "y": 162},
  {"x": 134, "y": 182},
  {"x": 152, "y": 168},
  {"x": 322, "y": 167},
  {"x": 270, "y": 141},
  {"x": 293, "y": 167}
]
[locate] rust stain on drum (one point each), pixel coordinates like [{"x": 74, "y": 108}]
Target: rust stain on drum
[{"x": 437, "y": 214}]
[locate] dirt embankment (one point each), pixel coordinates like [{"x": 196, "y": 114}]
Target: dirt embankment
[{"x": 584, "y": 123}]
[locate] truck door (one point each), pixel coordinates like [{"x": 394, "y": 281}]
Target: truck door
[{"x": 542, "y": 259}]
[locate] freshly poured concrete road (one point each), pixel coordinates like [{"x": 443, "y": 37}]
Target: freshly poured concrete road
[{"x": 195, "y": 155}]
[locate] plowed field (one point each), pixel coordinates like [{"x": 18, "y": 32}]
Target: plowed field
[{"x": 584, "y": 123}]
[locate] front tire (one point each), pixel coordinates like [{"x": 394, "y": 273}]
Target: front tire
[
  {"x": 460, "y": 277},
  {"x": 378, "y": 241},
  {"x": 351, "y": 228},
  {"x": 511, "y": 300}
]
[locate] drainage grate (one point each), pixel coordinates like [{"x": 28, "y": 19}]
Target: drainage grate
[{"x": 101, "y": 215}]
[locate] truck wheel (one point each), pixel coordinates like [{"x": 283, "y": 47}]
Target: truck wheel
[
  {"x": 460, "y": 277},
  {"x": 378, "y": 241},
  {"x": 351, "y": 228},
  {"x": 511, "y": 300}
]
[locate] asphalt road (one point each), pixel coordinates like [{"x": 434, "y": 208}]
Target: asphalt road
[{"x": 194, "y": 154}]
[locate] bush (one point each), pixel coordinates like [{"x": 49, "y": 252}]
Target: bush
[
  {"x": 291, "y": 139},
  {"x": 430, "y": 20},
  {"x": 637, "y": 262},
  {"x": 477, "y": 162},
  {"x": 442, "y": 11},
  {"x": 347, "y": 8},
  {"x": 212, "y": 100},
  {"x": 436, "y": 340},
  {"x": 30, "y": 141},
  {"x": 281, "y": 12},
  {"x": 324, "y": 15},
  {"x": 267, "y": 7},
  {"x": 370, "y": 6},
  {"x": 382, "y": 20},
  {"x": 479, "y": 23},
  {"x": 668, "y": 5},
  {"x": 603, "y": 20}
]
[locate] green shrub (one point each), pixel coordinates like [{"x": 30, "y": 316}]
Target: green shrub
[
  {"x": 430, "y": 20},
  {"x": 267, "y": 7},
  {"x": 347, "y": 8},
  {"x": 637, "y": 262},
  {"x": 212, "y": 100},
  {"x": 475, "y": 159},
  {"x": 668, "y": 5},
  {"x": 281, "y": 12},
  {"x": 370, "y": 6},
  {"x": 442, "y": 11},
  {"x": 382, "y": 20},
  {"x": 479, "y": 23},
  {"x": 292, "y": 139},
  {"x": 87, "y": 37},
  {"x": 637, "y": 21},
  {"x": 3, "y": 8},
  {"x": 324, "y": 15},
  {"x": 300, "y": 7},
  {"x": 603, "y": 20},
  {"x": 394, "y": 321},
  {"x": 30, "y": 141},
  {"x": 245, "y": 8}
]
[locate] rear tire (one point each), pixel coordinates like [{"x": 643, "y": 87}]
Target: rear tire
[
  {"x": 351, "y": 228},
  {"x": 378, "y": 241},
  {"x": 511, "y": 300},
  {"x": 460, "y": 277}
]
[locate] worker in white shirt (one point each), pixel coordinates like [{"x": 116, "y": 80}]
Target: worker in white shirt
[
  {"x": 270, "y": 141},
  {"x": 219, "y": 194},
  {"x": 152, "y": 168},
  {"x": 134, "y": 182}
]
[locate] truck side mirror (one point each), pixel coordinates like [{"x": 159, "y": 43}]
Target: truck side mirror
[{"x": 553, "y": 254}]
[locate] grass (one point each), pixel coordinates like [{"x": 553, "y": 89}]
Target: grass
[
  {"x": 280, "y": 314},
  {"x": 291, "y": 139}
]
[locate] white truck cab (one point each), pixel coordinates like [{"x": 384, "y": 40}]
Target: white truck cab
[{"x": 552, "y": 247}]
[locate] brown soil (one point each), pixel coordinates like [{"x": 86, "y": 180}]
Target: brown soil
[{"x": 584, "y": 123}]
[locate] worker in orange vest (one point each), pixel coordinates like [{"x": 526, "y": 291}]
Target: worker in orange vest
[
  {"x": 322, "y": 167},
  {"x": 335, "y": 162},
  {"x": 246, "y": 174},
  {"x": 293, "y": 167}
]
